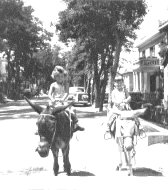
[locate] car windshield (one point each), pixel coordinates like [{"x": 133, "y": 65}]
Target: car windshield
[{"x": 76, "y": 89}]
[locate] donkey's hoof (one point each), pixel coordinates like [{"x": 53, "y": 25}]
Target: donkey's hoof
[
  {"x": 130, "y": 174},
  {"x": 68, "y": 172},
  {"x": 55, "y": 174},
  {"x": 117, "y": 168}
]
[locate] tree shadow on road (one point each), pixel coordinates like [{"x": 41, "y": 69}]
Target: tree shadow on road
[
  {"x": 87, "y": 114},
  {"x": 146, "y": 172},
  {"x": 18, "y": 114},
  {"x": 21, "y": 110}
]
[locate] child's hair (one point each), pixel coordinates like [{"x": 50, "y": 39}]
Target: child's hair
[{"x": 58, "y": 70}]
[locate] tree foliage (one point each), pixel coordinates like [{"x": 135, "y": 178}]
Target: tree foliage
[
  {"x": 45, "y": 61},
  {"x": 21, "y": 35},
  {"x": 98, "y": 25}
]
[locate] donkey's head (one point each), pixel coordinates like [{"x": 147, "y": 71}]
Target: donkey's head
[
  {"x": 128, "y": 130},
  {"x": 47, "y": 125},
  {"x": 128, "y": 127}
]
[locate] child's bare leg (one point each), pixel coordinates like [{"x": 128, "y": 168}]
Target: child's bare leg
[{"x": 77, "y": 127}]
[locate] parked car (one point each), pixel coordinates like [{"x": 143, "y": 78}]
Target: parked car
[
  {"x": 78, "y": 96},
  {"x": 76, "y": 89},
  {"x": 4, "y": 99},
  {"x": 30, "y": 93}
]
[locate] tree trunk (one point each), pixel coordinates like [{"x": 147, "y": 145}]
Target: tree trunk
[
  {"x": 103, "y": 87},
  {"x": 102, "y": 93},
  {"x": 9, "y": 76},
  {"x": 97, "y": 87},
  {"x": 96, "y": 82},
  {"x": 113, "y": 68},
  {"x": 88, "y": 90},
  {"x": 92, "y": 92}
]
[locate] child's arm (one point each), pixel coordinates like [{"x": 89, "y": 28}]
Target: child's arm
[
  {"x": 66, "y": 86},
  {"x": 50, "y": 93},
  {"x": 128, "y": 97}
]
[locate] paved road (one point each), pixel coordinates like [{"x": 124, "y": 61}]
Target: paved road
[{"x": 90, "y": 154}]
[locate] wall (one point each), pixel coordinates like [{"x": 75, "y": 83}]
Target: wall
[{"x": 165, "y": 83}]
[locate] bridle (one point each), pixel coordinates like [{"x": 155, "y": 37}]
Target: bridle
[
  {"x": 121, "y": 139},
  {"x": 52, "y": 140}
]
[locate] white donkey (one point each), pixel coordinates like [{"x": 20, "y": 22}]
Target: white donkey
[{"x": 126, "y": 136}]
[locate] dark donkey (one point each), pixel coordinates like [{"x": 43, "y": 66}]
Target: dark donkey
[{"x": 55, "y": 132}]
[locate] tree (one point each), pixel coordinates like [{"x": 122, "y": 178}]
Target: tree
[
  {"x": 21, "y": 35},
  {"x": 45, "y": 61},
  {"x": 98, "y": 25}
]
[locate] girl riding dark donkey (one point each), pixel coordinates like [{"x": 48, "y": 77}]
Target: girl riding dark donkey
[
  {"x": 59, "y": 90},
  {"x": 58, "y": 93}
]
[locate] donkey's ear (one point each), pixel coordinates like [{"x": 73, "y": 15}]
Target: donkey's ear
[
  {"x": 36, "y": 107},
  {"x": 60, "y": 108}
]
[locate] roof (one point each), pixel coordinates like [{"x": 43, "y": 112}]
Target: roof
[
  {"x": 164, "y": 27},
  {"x": 151, "y": 41}
]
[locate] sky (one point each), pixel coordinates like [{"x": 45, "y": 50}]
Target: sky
[
  {"x": 47, "y": 11},
  {"x": 158, "y": 10}
]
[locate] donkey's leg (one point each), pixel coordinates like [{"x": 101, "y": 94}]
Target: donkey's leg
[
  {"x": 120, "y": 156},
  {"x": 130, "y": 173},
  {"x": 126, "y": 157},
  {"x": 56, "y": 165},
  {"x": 67, "y": 165}
]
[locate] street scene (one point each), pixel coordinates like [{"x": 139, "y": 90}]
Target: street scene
[
  {"x": 91, "y": 153},
  {"x": 96, "y": 70}
]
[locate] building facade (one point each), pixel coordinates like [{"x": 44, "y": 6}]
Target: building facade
[
  {"x": 148, "y": 73},
  {"x": 164, "y": 56}
]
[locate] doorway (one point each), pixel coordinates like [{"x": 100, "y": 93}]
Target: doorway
[{"x": 152, "y": 83}]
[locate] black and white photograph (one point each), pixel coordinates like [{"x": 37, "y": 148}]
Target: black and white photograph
[{"x": 83, "y": 94}]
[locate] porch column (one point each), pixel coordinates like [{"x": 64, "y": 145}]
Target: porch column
[
  {"x": 137, "y": 86},
  {"x": 157, "y": 82},
  {"x": 145, "y": 82},
  {"x": 141, "y": 81},
  {"x": 134, "y": 82},
  {"x": 127, "y": 82}
]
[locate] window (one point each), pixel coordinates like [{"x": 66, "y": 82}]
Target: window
[
  {"x": 143, "y": 54},
  {"x": 152, "y": 51}
]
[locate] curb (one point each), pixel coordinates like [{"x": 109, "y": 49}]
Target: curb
[
  {"x": 154, "y": 137},
  {"x": 154, "y": 126}
]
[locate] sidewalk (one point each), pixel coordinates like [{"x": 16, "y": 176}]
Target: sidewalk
[{"x": 152, "y": 151}]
